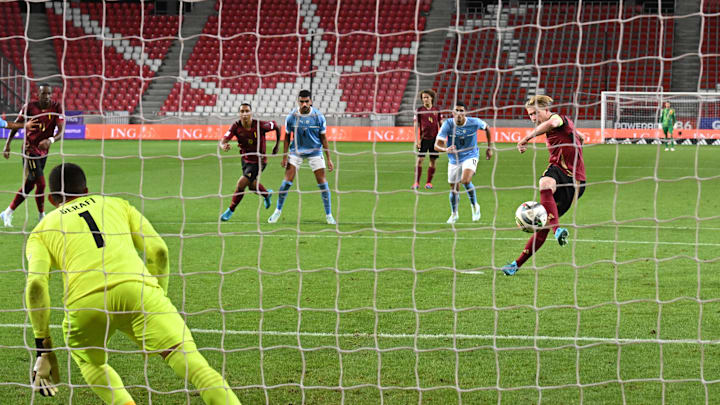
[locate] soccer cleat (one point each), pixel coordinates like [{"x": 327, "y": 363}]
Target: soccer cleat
[
  {"x": 672, "y": 149},
  {"x": 476, "y": 212},
  {"x": 561, "y": 234},
  {"x": 416, "y": 186},
  {"x": 330, "y": 220},
  {"x": 41, "y": 216},
  {"x": 510, "y": 269},
  {"x": 7, "y": 217},
  {"x": 453, "y": 218},
  {"x": 226, "y": 215},
  {"x": 428, "y": 186},
  {"x": 275, "y": 216},
  {"x": 268, "y": 199},
  {"x": 666, "y": 149}
]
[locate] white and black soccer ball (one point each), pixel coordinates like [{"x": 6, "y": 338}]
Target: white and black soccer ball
[{"x": 530, "y": 216}]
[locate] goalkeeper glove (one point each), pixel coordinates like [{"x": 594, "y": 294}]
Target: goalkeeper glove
[{"x": 46, "y": 373}]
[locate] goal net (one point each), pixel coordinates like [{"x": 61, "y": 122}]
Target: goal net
[
  {"x": 637, "y": 115},
  {"x": 391, "y": 305}
]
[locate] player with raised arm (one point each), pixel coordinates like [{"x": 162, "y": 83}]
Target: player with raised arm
[
  {"x": 49, "y": 115},
  {"x": 667, "y": 122},
  {"x": 562, "y": 182},
  {"x": 427, "y": 125},
  {"x": 94, "y": 241},
  {"x": 250, "y": 135},
  {"x": 307, "y": 126},
  {"x": 458, "y": 137}
]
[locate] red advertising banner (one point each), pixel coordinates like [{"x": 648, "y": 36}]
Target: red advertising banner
[{"x": 363, "y": 134}]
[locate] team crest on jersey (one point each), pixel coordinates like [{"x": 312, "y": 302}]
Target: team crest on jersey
[{"x": 430, "y": 119}]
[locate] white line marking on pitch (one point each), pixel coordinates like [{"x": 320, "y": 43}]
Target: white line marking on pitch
[{"x": 426, "y": 336}]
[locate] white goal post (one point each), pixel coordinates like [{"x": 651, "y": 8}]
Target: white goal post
[{"x": 628, "y": 114}]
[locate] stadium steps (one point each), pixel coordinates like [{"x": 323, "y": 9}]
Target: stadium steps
[
  {"x": 686, "y": 70},
  {"x": 42, "y": 52},
  {"x": 428, "y": 60},
  {"x": 177, "y": 56}
]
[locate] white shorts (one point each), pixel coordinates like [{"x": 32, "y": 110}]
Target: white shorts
[
  {"x": 316, "y": 162},
  {"x": 455, "y": 171}
]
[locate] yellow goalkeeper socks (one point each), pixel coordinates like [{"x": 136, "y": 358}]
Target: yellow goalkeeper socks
[
  {"x": 106, "y": 383},
  {"x": 189, "y": 364}
]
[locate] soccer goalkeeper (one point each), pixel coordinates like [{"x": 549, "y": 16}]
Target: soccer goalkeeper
[
  {"x": 93, "y": 239},
  {"x": 667, "y": 122}
]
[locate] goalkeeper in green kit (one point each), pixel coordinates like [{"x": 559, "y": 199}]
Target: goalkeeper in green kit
[{"x": 667, "y": 121}]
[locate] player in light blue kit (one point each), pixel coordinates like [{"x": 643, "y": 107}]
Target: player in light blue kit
[
  {"x": 458, "y": 137},
  {"x": 307, "y": 126}
]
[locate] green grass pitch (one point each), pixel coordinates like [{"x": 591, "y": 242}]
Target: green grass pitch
[{"x": 393, "y": 302}]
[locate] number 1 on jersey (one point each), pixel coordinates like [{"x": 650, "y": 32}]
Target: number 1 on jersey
[{"x": 97, "y": 235}]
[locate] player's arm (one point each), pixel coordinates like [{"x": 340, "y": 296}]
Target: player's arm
[
  {"x": 278, "y": 134},
  {"x": 441, "y": 140},
  {"x": 554, "y": 122},
  {"x": 145, "y": 238},
  {"x": 326, "y": 149},
  {"x": 46, "y": 373},
  {"x": 416, "y": 130},
  {"x": 488, "y": 135}
]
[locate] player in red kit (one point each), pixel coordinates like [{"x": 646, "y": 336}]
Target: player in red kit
[
  {"x": 49, "y": 116},
  {"x": 250, "y": 135},
  {"x": 562, "y": 182},
  {"x": 427, "y": 125}
]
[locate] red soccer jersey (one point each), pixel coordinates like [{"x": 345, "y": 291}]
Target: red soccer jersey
[
  {"x": 566, "y": 149},
  {"x": 251, "y": 141},
  {"x": 49, "y": 118},
  {"x": 428, "y": 120}
]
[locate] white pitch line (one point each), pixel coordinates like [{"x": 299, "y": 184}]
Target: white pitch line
[
  {"x": 660, "y": 227},
  {"x": 390, "y": 236},
  {"x": 461, "y": 336}
]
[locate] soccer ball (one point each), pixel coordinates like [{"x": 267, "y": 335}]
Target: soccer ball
[{"x": 530, "y": 216}]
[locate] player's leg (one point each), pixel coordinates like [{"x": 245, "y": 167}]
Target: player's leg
[
  {"x": 236, "y": 198},
  {"x": 258, "y": 187},
  {"x": 433, "y": 161},
  {"x": 418, "y": 168},
  {"x": 29, "y": 166},
  {"x": 293, "y": 163},
  {"x": 157, "y": 327},
  {"x": 317, "y": 164},
  {"x": 86, "y": 332},
  {"x": 468, "y": 171},
  {"x": 665, "y": 137},
  {"x": 672, "y": 139},
  {"x": 454, "y": 177},
  {"x": 40, "y": 187}
]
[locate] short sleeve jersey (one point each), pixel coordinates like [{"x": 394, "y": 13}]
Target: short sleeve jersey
[
  {"x": 251, "y": 141},
  {"x": 48, "y": 118},
  {"x": 464, "y": 138},
  {"x": 92, "y": 261},
  {"x": 428, "y": 120},
  {"x": 566, "y": 149},
  {"x": 306, "y": 131}
]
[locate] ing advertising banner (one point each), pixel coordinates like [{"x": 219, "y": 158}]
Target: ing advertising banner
[{"x": 364, "y": 134}]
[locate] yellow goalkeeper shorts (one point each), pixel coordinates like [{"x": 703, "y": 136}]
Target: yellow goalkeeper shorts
[{"x": 140, "y": 311}]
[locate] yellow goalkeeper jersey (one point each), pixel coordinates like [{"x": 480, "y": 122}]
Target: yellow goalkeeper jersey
[{"x": 94, "y": 240}]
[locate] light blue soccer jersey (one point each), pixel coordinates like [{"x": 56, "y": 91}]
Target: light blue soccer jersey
[
  {"x": 463, "y": 137},
  {"x": 307, "y": 129}
]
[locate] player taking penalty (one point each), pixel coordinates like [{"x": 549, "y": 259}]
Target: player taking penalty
[
  {"x": 250, "y": 135},
  {"x": 458, "y": 137},
  {"x": 94, "y": 242},
  {"x": 562, "y": 182}
]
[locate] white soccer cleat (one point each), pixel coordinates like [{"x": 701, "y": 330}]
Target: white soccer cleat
[
  {"x": 476, "y": 212},
  {"x": 672, "y": 149},
  {"x": 274, "y": 217},
  {"x": 666, "y": 149},
  {"x": 453, "y": 218},
  {"x": 7, "y": 217},
  {"x": 41, "y": 216},
  {"x": 330, "y": 220}
]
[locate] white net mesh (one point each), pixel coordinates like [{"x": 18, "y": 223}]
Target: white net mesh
[{"x": 392, "y": 305}]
